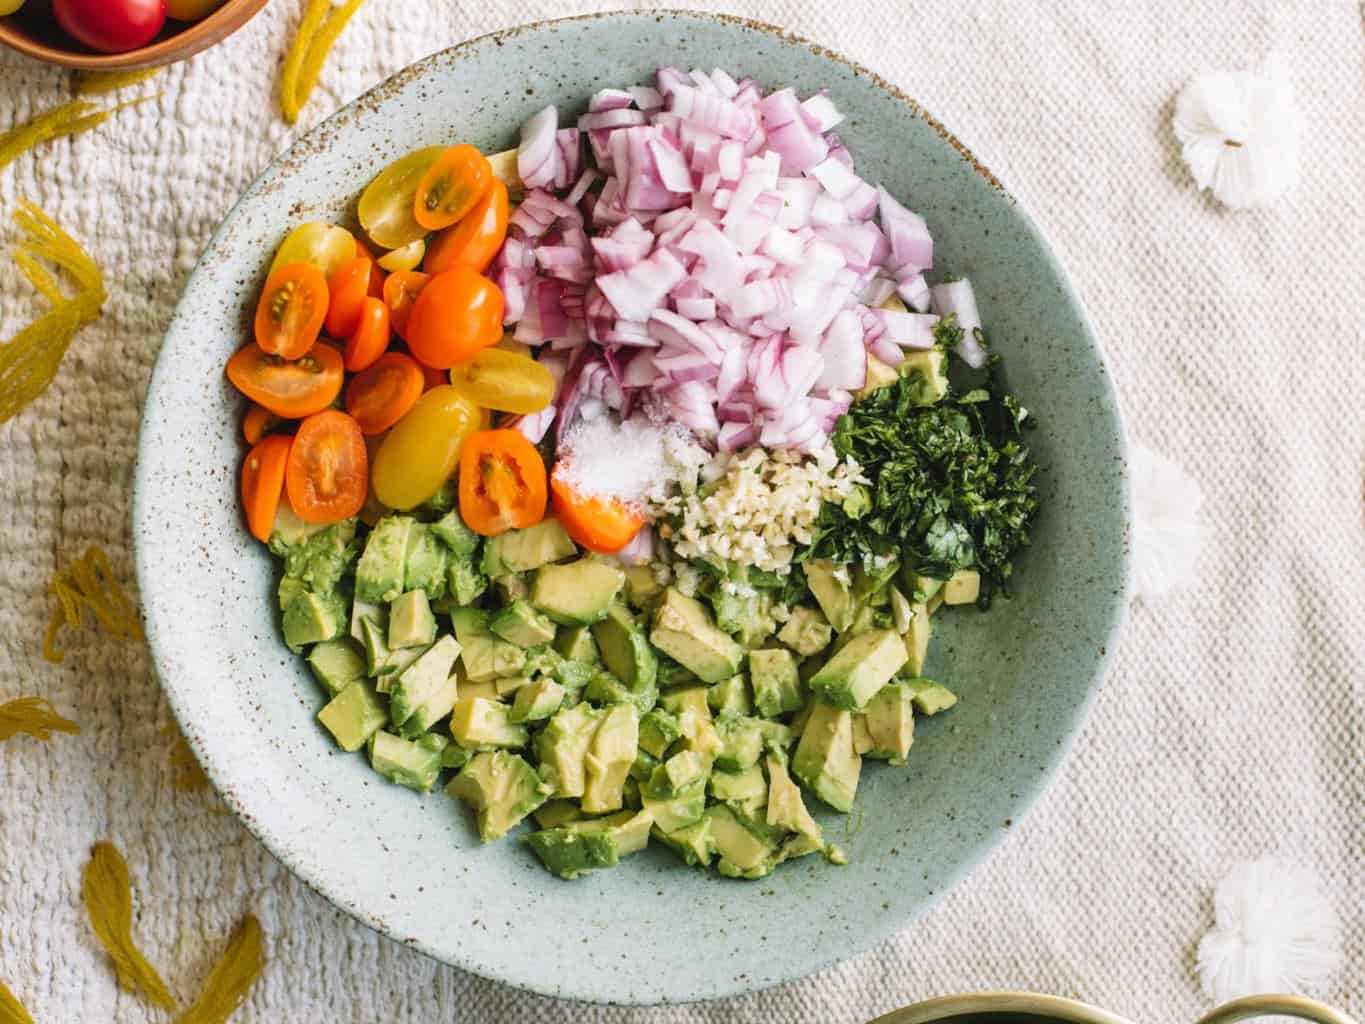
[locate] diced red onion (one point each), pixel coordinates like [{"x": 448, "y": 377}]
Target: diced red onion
[
  {"x": 958, "y": 298},
  {"x": 611, "y": 99},
  {"x": 646, "y": 98},
  {"x": 820, "y": 112},
  {"x": 914, "y": 291},
  {"x": 911, "y": 243},
  {"x": 538, "y": 151}
]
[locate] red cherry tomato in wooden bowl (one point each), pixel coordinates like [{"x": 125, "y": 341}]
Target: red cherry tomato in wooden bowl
[{"x": 111, "y": 26}]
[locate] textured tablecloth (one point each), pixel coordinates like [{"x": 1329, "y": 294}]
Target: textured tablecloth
[{"x": 1230, "y": 726}]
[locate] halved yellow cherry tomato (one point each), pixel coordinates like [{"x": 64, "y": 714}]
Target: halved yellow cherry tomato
[
  {"x": 423, "y": 449},
  {"x": 386, "y": 204},
  {"x": 406, "y": 258},
  {"x": 324, "y": 245},
  {"x": 504, "y": 381},
  {"x": 451, "y": 187}
]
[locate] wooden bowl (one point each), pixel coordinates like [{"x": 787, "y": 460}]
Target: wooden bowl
[{"x": 35, "y": 33}]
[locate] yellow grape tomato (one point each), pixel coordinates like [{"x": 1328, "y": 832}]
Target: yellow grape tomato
[
  {"x": 505, "y": 381},
  {"x": 191, "y": 10},
  {"x": 322, "y": 244},
  {"x": 10, "y": 6},
  {"x": 386, "y": 204},
  {"x": 422, "y": 451},
  {"x": 406, "y": 258},
  {"x": 510, "y": 344}
]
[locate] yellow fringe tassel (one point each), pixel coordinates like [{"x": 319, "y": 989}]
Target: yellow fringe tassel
[
  {"x": 108, "y": 900},
  {"x": 88, "y": 582},
  {"x": 319, "y": 29},
  {"x": 234, "y": 974},
  {"x": 34, "y": 716},
  {"x": 11, "y": 1010}
]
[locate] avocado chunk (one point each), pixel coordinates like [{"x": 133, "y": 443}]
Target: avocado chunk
[
  {"x": 511, "y": 586},
  {"x": 860, "y": 669},
  {"x": 523, "y": 550},
  {"x": 476, "y": 722},
  {"x": 930, "y": 698},
  {"x": 568, "y": 853},
  {"x": 745, "y": 848},
  {"x": 576, "y": 644},
  {"x": 522, "y": 625},
  {"x": 464, "y": 582},
  {"x": 337, "y": 664},
  {"x": 610, "y": 756},
  {"x": 505, "y": 686},
  {"x": 487, "y": 689},
  {"x": 411, "y": 623},
  {"x": 890, "y": 717},
  {"x": 745, "y": 787},
  {"x": 786, "y": 810},
  {"x": 832, "y": 590},
  {"x": 624, "y": 649},
  {"x": 731, "y": 695},
  {"x": 409, "y": 764},
  {"x": 383, "y": 662},
  {"x": 879, "y": 375},
  {"x": 807, "y": 631},
  {"x": 642, "y": 587},
  {"x": 318, "y": 558},
  {"x": 693, "y": 843},
  {"x": 562, "y": 749},
  {"x": 451, "y": 531},
  {"x": 694, "y": 720},
  {"x": 379, "y": 573},
  {"x": 424, "y": 564},
  {"x": 628, "y": 830},
  {"x": 658, "y": 731},
  {"x": 288, "y": 529},
  {"x": 362, "y": 610},
  {"x": 483, "y": 654},
  {"x": 918, "y": 587},
  {"x": 825, "y": 759},
  {"x": 559, "y": 811},
  {"x": 927, "y": 372},
  {"x": 605, "y": 688},
  {"x": 741, "y": 742},
  {"x": 311, "y": 618},
  {"x": 538, "y": 701},
  {"x": 963, "y": 588},
  {"x": 917, "y": 639},
  {"x": 502, "y": 788},
  {"x": 776, "y": 683},
  {"x": 424, "y": 692},
  {"x": 354, "y": 715},
  {"x": 577, "y": 593},
  {"x": 684, "y": 631},
  {"x": 675, "y": 793},
  {"x": 862, "y": 736}
]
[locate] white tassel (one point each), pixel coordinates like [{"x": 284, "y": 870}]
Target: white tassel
[
  {"x": 1275, "y": 932},
  {"x": 1168, "y": 528}
]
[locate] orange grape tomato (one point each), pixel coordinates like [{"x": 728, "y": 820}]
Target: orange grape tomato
[
  {"x": 498, "y": 379},
  {"x": 423, "y": 449},
  {"x": 328, "y": 474},
  {"x": 291, "y": 311},
  {"x": 346, "y": 290},
  {"x": 433, "y": 378},
  {"x": 401, "y": 289},
  {"x": 382, "y": 395},
  {"x": 451, "y": 187},
  {"x": 290, "y": 390},
  {"x": 258, "y": 422},
  {"x": 370, "y": 338},
  {"x": 263, "y": 483},
  {"x": 476, "y": 239},
  {"x": 376, "y": 272},
  {"x": 457, "y": 314},
  {"x": 502, "y": 483},
  {"x": 603, "y": 525}
]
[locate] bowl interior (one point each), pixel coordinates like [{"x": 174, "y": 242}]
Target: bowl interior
[{"x": 411, "y": 865}]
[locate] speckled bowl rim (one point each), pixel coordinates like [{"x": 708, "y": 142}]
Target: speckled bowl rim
[{"x": 1029, "y": 791}]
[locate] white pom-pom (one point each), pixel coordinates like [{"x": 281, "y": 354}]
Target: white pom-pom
[
  {"x": 1168, "y": 529},
  {"x": 1275, "y": 932},
  {"x": 1239, "y": 133}
]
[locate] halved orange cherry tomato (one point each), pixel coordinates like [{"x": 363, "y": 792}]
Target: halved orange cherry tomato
[
  {"x": 451, "y": 186},
  {"x": 258, "y": 422},
  {"x": 401, "y": 289},
  {"x": 382, "y": 395},
  {"x": 346, "y": 290},
  {"x": 263, "y": 483},
  {"x": 328, "y": 473},
  {"x": 475, "y": 240},
  {"x": 370, "y": 338},
  {"x": 603, "y": 525},
  {"x": 376, "y": 272},
  {"x": 432, "y": 378},
  {"x": 291, "y": 311},
  {"x": 291, "y": 390},
  {"x": 457, "y": 314},
  {"x": 502, "y": 483}
]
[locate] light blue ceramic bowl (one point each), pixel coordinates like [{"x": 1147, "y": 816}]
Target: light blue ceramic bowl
[{"x": 651, "y": 930}]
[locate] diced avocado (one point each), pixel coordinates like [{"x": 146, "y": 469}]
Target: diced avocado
[
  {"x": 568, "y": 854},
  {"x": 825, "y": 760},
  {"x": 860, "y": 669},
  {"x": 311, "y": 618},
  {"x": 927, "y": 372},
  {"x": 486, "y": 689},
  {"x": 464, "y": 582},
  {"x": 776, "y": 683},
  {"x": 807, "y": 632},
  {"x": 452, "y": 755},
  {"x": 643, "y": 766},
  {"x": 354, "y": 715},
  {"x": 554, "y": 813},
  {"x": 605, "y": 688},
  {"x": 523, "y": 550},
  {"x": 451, "y": 531},
  {"x": 741, "y": 742},
  {"x": 786, "y": 809},
  {"x": 745, "y": 787},
  {"x": 829, "y": 584},
  {"x": 672, "y": 674},
  {"x": 776, "y": 736},
  {"x": 562, "y": 749},
  {"x": 684, "y": 769},
  {"x": 628, "y": 830},
  {"x": 577, "y": 593},
  {"x": 424, "y": 565},
  {"x": 411, "y": 623},
  {"x": 610, "y": 756},
  {"x": 862, "y": 736},
  {"x": 963, "y": 588},
  {"x": 743, "y": 852},
  {"x": 731, "y": 695},
  {"x": 337, "y": 664},
  {"x": 675, "y": 793},
  {"x": 288, "y": 529},
  {"x": 799, "y": 720},
  {"x": 505, "y": 685},
  {"x": 442, "y": 502},
  {"x": 511, "y": 586},
  {"x": 502, "y": 788},
  {"x": 379, "y": 573},
  {"x": 642, "y": 587},
  {"x": 576, "y": 644},
  {"x": 319, "y": 558},
  {"x": 381, "y": 661},
  {"x": 692, "y": 842},
  {"x": 658, "y": 731},
  {"x": 683, "y": 630},
  {"x": 424, "y": 692},
  {"x": 484, "y": 655},
  {"x": 733, "y": 610},
  {"x": 624, "y": 649},
  {"x": 694, "y": 719},
  {"x": 522, "y": 625},
  {"x": 865, "y": 619},
  {"x": 362, "y": 610},
  {"x": 890, "y": 717},
  {"x": 917, "y": 639},
  {"x": 879, "y": 375},
  {"x": 930, "y": 697},
  {"x": 918, "y": 587},
  {"x": 404, "y": 762},
  {"x": 476, "y": 722},
  {"x": 538, "y": 701},
  {"x": 934, "y": 603}
]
